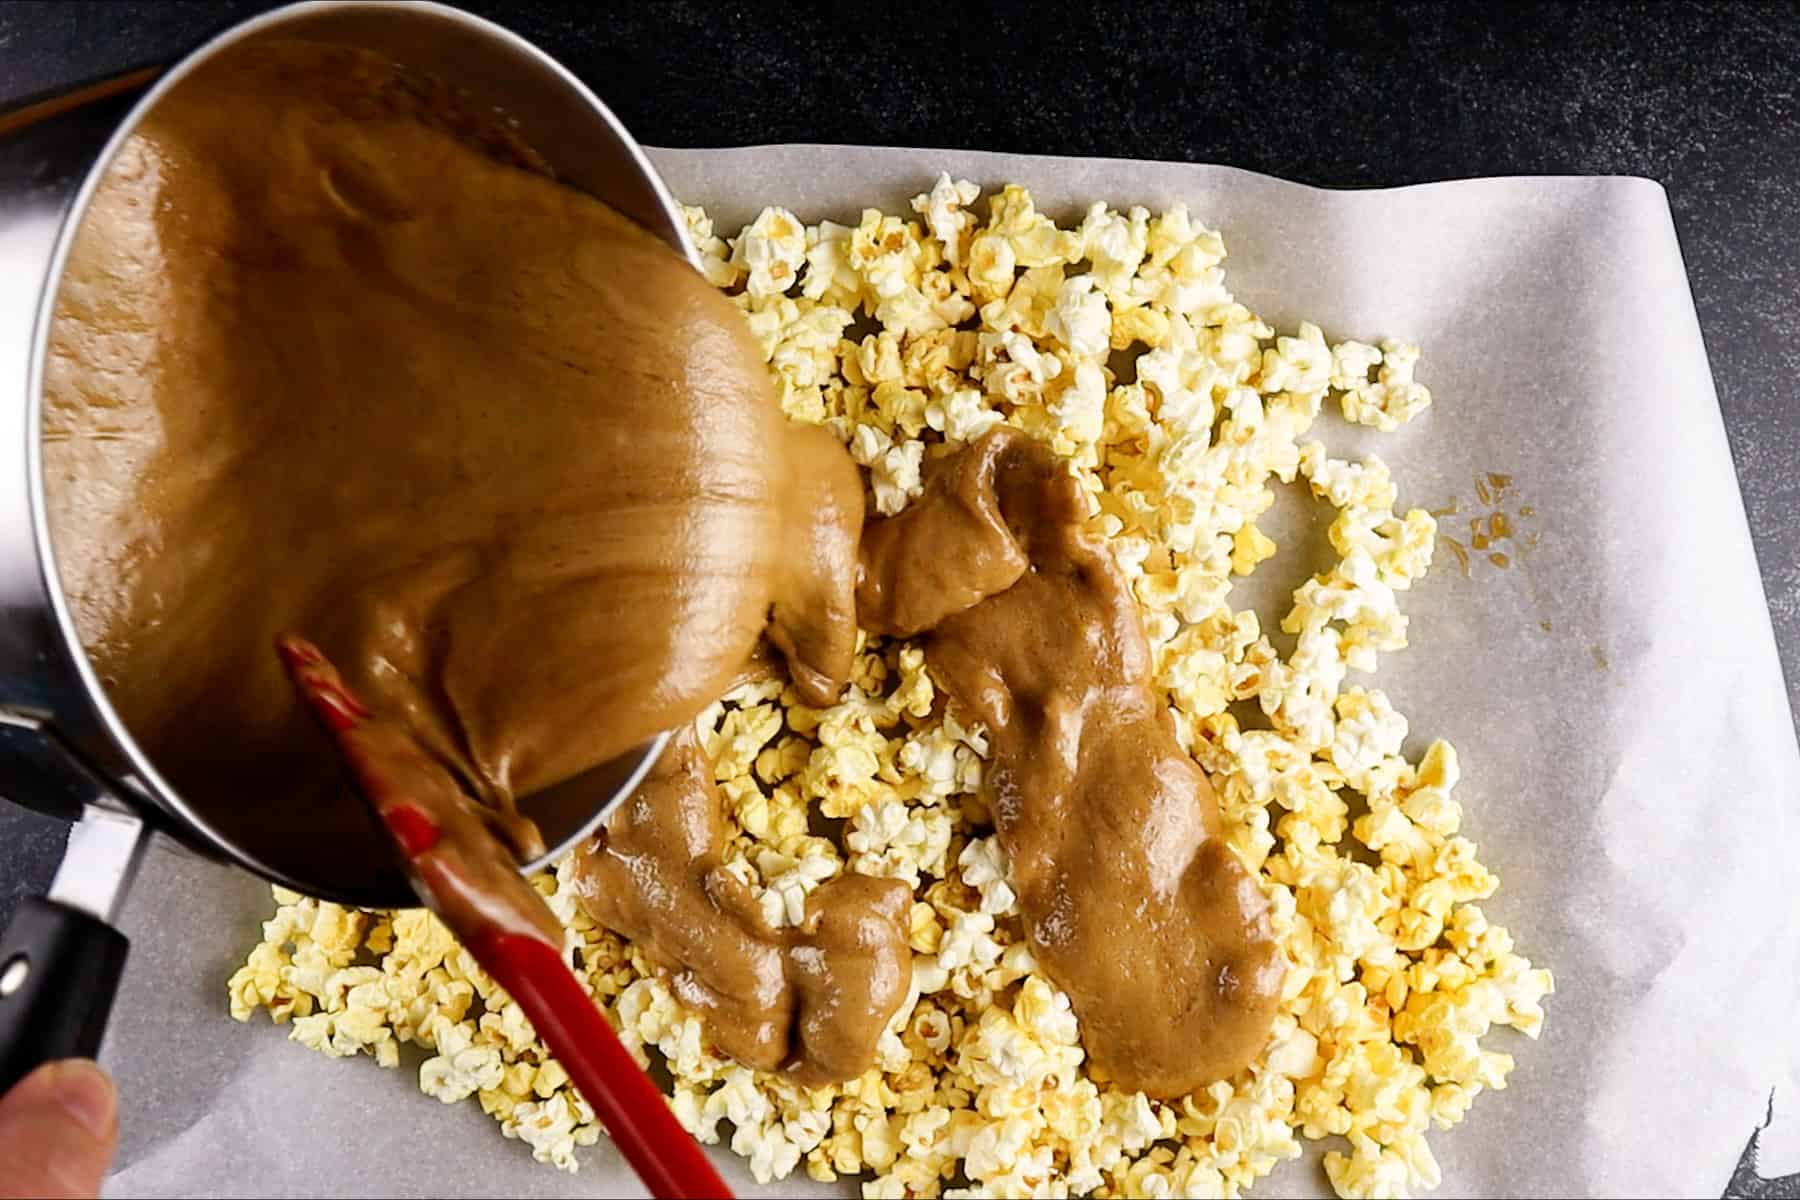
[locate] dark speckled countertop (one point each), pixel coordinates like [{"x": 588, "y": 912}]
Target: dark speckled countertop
[{"x": 1699, "y": 96}]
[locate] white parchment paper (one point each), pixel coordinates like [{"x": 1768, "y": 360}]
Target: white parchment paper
[{"x": 1630, "y": 766}]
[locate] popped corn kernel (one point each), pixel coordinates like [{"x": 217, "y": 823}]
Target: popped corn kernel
[
  {"x": 1080, "y": 319},
  {"x": 1250, "y": 546},
  {"x": 1393, "y": 398},
  {"x": 770, "y": 252},
  {"x": 944, "y": 208},
  {"x": 894, "y": 470},
  {"x": 983, "y": 865},
  {"x": 1369, "y": 733},
  {"x": 714, "y": 254},
  {"x": 829, "y": 277}
]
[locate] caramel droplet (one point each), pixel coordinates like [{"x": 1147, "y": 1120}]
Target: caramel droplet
[
  {"x": 1526, "y": 511},
  {"x": 1462, "y": 556},
  {"x": 1500, "y": 560},
  {"x": 1544, "y": 625},
  {"x": 1499, "y": 527}
]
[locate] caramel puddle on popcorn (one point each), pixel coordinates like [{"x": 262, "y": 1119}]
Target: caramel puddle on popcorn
[
  {"x": 812, "y": 1000},
  {"x": 296, "y": 382},
  {"x": 1133, "y": 902}
]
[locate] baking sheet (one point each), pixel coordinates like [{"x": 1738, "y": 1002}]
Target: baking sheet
[{"x": 1630, "y": 766}]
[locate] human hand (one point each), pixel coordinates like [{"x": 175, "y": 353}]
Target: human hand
[{"x": 58, "y": 1128}]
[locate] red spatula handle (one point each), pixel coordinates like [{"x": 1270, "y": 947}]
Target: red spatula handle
[
  {"x": 666, "y": 1158},
  {"x": 403, "y": 787}
]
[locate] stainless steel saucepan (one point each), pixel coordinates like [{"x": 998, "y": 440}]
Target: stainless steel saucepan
[{"x": 63, "y": 748}]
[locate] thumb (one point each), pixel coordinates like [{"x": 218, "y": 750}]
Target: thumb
[{"x": 58, "y": 1127}]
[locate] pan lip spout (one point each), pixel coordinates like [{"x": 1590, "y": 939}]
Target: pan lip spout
[{"x": 44, "y": 623}]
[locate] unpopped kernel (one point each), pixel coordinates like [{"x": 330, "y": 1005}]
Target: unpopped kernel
[{"x": 1395, "y": 975}]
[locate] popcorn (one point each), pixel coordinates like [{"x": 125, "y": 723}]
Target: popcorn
[
  {"x": 788, "y": 881},
  {"x": 1351, "y": 363},
  {"x": 962, "y": 416},
  {"x": 1015, "y": 370},
  {"x": 992, "y": 264},
  {"x": 892, "y": 263},
  {"x": 1181, "y": 272},
  {"x": 1080, "y": 408},
  {"x": 1368, "y": 733},
  {"x": 741, "y": 737},
  {"x": 943, "y": 208},
  {"x": 894, "y": 470},
  {"x": 1080, "y": 320},
  {"x": 898, "y": 841},
  {"x": 829, "y": 277},
  {"x": 770, "y": 252},
  {"x": 1393, "y": 398},
  {"x": 553, "y": 1128},
  {"x": 1347, "y": 485},
  {"x": 1034, "y": 238},
  {"x": 969, "y": 941},
  {"x": 460, "y": 1066},
  {"x": 714, "y": 263},
  {"x": 1115, "y": 244},
  {"x": 802, "y": 352},
  {"x": 983, "y": 866},
  {"x": 1250, "y": 546},
  {"x": 1396, "y": 978},
  {"x": 1297, "y": 364}
]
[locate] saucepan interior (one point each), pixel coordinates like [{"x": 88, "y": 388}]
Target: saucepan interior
[{"x": 336, "y": 853}]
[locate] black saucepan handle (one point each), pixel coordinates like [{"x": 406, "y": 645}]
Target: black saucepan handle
[{"x": 59, "y": 971}]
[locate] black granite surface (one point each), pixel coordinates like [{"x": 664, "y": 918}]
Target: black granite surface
[{"x": 1700, "y": 96}]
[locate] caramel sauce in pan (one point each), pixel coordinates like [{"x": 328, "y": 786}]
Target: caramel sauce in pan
[{"x": 333, "y": 356}]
